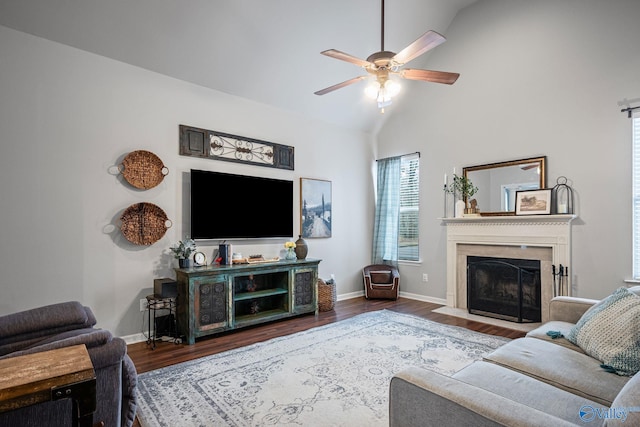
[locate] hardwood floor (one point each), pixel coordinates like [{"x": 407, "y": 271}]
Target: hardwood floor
[{"x": 166, "y": 354}]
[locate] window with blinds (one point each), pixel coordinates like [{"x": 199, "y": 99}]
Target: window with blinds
[
  {"x": 636, "y": 195},
  {"x": 408, "y": 247}
]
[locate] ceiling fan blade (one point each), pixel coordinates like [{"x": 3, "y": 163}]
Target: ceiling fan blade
[
  {"x": 340, "y": 85},
  {"x": 346, "y": 57},
  {"x": 430, "y": 76},
  {"x": 425, "y": 42}
]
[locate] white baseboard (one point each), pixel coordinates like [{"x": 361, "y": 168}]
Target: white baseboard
[
  {"x": 423, "y": 298},
  {"x": 132, "y": 339},
  {"x": 350, "y": 295},
  {"x": 407, "y": 295}
]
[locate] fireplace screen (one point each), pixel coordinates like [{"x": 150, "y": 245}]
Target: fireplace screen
[{"x": 504, "y": 288}]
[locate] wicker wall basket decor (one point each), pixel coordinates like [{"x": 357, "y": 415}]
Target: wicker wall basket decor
[
  {"x": 143, "y": 169},
  {"x": 144, "y": 223}
]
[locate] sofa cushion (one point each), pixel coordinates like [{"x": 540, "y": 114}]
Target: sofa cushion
[
  {"x": 381, "y": 277},
  {"x": 627, "y": 400},
  {"x": 561, "y": 367},
  {"x": 526, "y": 390},
  {"x": 555, "y": 325},
  {"x": 610, "y": 332}
]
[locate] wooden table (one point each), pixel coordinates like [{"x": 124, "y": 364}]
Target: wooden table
[{"x": 65, "y": 373}]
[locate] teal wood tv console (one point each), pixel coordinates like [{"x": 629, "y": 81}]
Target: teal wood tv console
[{"x": 215, "y": 299}]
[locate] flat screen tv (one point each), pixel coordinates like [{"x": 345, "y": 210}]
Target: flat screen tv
[{"x": 228, "y": 206}]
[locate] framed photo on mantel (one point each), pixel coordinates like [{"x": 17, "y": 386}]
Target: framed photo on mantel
[
  {"x": 315, "y": 208},
  {"x": 533, "y": 202}
]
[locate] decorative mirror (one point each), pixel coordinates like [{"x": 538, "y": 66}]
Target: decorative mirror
[{"x": 498, "y": 183}]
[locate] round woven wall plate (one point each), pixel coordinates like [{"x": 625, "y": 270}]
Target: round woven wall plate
[
  {"x": 144, "y": 223},
  {"x": 143, "y": 169}
]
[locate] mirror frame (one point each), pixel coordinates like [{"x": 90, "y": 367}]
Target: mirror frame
[{"x": 542, "y": 163}]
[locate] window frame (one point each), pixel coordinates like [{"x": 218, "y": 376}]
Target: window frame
[
  {"x": 405, "y": 162},
  {"x": 635, "y": 195}
]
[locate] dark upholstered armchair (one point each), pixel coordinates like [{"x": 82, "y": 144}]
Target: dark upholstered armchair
[
  {"x": 381, "y": 281},
  {"x": 62, "y": 325}
]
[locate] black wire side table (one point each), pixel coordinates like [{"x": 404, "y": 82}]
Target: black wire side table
[{"x": 154, "y": 304}]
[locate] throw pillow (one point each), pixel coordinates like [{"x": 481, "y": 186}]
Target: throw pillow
[
  {"x": 381, "y": 276},
  {"x": 610, "y": 332}
]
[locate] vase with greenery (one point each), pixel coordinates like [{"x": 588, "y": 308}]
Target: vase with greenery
[
  {"x": 464, "y": 189},
  {"x": 183, "y": 250}
]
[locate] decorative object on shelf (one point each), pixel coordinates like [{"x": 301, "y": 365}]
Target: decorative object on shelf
[
  {"x": 251, "y": 284},
  {"x": 463, "y": 189},
  {"x": 459, "y": 208},
  {"x": 144, "y": 223},
  {"x": 290, "y": 254},
  {"x": 182, "y": 251},
  {"x": 225, "y": 254},
  {"x": 254, "y": 308},
  {"x": 533, "y": 202},
  {"x": 315, "y": 208},
  {"x": 301, "y": 248},
  {"x": 445, "y": 190},
  {"x": 562, "y": 197},
  {"x": 199, "y": 259},
  {"x": 143, "y": 169},
  {"x": 197, "y": 142}
]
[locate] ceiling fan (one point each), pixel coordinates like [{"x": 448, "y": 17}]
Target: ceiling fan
[{"x": 383, "y": 64}]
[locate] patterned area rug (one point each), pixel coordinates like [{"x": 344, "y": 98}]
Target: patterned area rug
[{"x": 333, "y": 375}]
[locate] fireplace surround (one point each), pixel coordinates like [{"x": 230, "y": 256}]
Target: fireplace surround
[{"x": 546, "y": 238}]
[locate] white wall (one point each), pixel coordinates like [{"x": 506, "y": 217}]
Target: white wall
[
  {"x": 68, "y": 117},
  {"x": 543, "y": 77}
]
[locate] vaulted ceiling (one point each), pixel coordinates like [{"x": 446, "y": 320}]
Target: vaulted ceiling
[{"x": 264, "y": 50}]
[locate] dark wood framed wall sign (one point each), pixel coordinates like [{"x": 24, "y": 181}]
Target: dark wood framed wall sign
[{"x": 197, "y": 142}]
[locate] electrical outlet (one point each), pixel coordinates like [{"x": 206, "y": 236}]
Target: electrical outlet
[
  {"x": 425, "y": 277},
  {"x": 144, "y": 304}
]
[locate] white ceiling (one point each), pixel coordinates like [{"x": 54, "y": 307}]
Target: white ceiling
[{"x": 267, "y": 51}]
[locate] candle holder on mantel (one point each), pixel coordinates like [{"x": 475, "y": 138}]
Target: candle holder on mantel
[
  {"x": 446, "y": 201},
  {"x": 562, "y": 197}
]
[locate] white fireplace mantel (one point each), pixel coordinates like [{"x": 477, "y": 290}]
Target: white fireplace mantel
[{"x": 543, "y": 231}]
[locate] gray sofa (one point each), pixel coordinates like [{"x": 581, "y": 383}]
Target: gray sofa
[
  {"x": 530, "y": 381},
  {"x": 62, "y": 325}
]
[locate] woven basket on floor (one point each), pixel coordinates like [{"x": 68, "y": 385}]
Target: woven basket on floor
[{"x": 326, "y": 295}]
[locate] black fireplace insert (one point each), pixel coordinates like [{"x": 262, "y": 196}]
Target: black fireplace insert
[{"x": 504, "y": 288}]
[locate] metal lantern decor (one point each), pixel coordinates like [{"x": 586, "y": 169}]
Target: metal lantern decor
[{"x": 562, "y": 197}]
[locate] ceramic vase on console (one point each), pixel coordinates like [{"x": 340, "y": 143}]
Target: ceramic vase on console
[
  {"x": 184, "y": 262},
  {"x": 301, "y": 248},
  {"x": 290, "y": 254}
]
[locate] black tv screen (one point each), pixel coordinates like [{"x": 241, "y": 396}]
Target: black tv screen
[{"x": 227, "y": 206}]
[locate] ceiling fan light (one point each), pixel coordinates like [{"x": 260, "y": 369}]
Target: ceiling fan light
[
  {"x": 372, "y": 89},
  {"x": 392, "y": 88}
]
